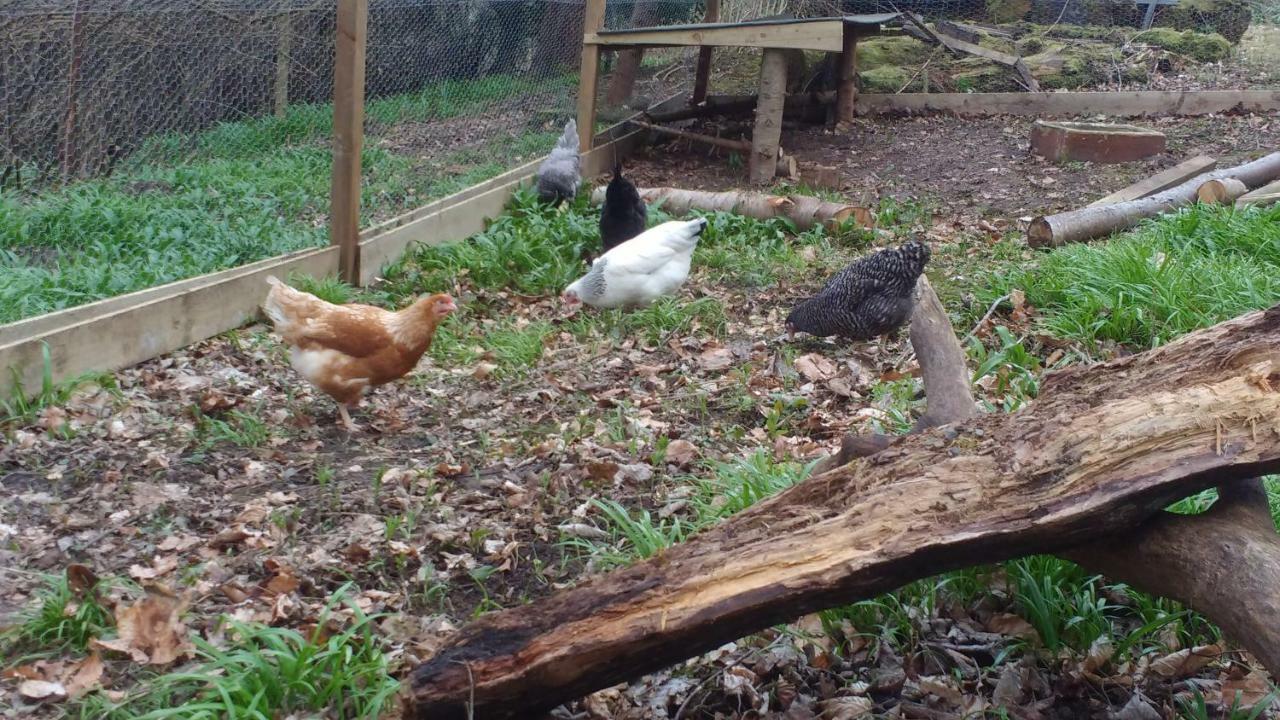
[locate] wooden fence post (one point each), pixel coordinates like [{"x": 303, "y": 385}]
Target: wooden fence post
[
  {"x": 704, "y": 57},
  {"x": 592, "y": 23},
  {"x": 284, "y": 48},
  {"x": 847, "y": 88},
  {"x": 348, "y": 136}
]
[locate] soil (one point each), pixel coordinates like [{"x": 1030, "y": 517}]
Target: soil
[{"x": 969, "y": 168}]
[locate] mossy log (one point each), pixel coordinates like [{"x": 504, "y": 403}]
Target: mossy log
[{"x": 1102, "y": 449}]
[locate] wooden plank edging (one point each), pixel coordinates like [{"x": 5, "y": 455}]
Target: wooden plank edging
[
  {"x": 1124, "y": 104},
  {"x": 153, "y": 324}
]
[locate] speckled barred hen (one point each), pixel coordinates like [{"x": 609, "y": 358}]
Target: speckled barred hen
[{"x": 872, "y": 297}]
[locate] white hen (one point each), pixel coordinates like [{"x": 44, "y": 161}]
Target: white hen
[{"x": 637, "y": 272}]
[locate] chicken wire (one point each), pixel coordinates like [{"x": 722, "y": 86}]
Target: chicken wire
[{"x": 85, "y": 84}]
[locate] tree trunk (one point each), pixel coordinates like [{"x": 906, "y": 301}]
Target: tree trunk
[
  {"x": 1102, "y": 449},
  {"x": 805, "y": 211},
  {"x": 623, "y": 82},
  {"x": 1095, "y": 221}
]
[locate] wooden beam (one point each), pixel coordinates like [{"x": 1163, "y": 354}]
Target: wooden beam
[
  {"x": 823, "y": 34},
  {"x": 767, "y": 133},
  {"x": 1162, "y": 180},
  {"x": 1012, "y": 61},
  {"x": 284, "y": 49},
  {"x": 847, "y": 89},
  {"x": 1100, "y": 450},
  {"x": 153, "y": 323},
  {"x": 348, "y": 135},
  {"x": 589, "y": 75},
  {"x": 1262, "y": 197},
  {"x": 1122, "y": 104},
  {"x": 703, "y": 74}
]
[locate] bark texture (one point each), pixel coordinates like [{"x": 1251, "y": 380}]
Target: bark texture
[{"x": 1102, "y": 449}]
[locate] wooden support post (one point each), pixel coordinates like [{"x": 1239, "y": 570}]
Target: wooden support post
[
  {"x": 589, "y": 75},
  {"x": 284, "y": 48},
  {"x": 703, "y": 75},
  {"x": 348, "y": 136},
  {"x": 767, "y": 133},
  {"x": 847, "y": 89}
]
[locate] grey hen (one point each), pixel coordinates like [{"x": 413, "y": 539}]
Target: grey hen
[
  {"x": 560, "y": 174},
  {"x": 872, "y": 297}
]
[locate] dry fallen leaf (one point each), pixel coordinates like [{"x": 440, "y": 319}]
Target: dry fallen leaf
[
  {"x": 151, "y": 630},
  {"x": 1184, "y": 663},
  {"x": 1137, "y": 709},
  {"x": 716, "y": 359},
  {"x": 483, "y": 370},
  {"x": 85, "y": 676},
  {"x": 815, "y": 367},
  {"x": 1008, "y": 624},
  {"x": 681, "y": 452},
  {"x": 1249, "y": 691},
  {"x": 847, "y": 708},
  {"x": 162, "y": 565},
  {"x": 42, "y": 690}
]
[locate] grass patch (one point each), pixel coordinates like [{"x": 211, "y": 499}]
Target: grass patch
[
  {"x": 62, "y": 618},
  {"x": 728, "y": 488},
  {"x": 1184, "y": 271},
  {"x": 268, "y": 672},
  {"x": 237, "y": 193}
]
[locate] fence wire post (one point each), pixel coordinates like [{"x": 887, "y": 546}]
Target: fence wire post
[
  {"x": 348, "y": 136},
  {"x": 593, "y": 22}
]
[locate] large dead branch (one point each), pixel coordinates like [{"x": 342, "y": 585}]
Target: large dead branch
[
  {"x": 805, "y": 211},
  {"x": 1095, "y": 221},
  {"x": 1102, "y": 449},
  {"x": 1224, "y": 563}
]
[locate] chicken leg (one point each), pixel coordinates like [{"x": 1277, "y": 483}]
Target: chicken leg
[{"x": 346, "y": 419}]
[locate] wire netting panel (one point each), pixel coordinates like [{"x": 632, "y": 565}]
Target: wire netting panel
[{"x": 87, "y": 83}]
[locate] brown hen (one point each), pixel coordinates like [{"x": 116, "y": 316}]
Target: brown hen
[{"x": 346, "y": 349}]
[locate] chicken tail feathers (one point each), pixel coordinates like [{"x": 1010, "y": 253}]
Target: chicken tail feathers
[{"x": 569, "y": 139}]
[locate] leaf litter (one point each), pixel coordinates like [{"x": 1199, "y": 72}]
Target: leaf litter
[{"x": 214, "y": 483}]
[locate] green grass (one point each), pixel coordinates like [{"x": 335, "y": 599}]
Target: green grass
[
  {"x": 1188, "y": 270},
  {"x": 239, "y": 428},
  {"x": 266, "y": 673},
  {"x": 62, "y": 618},
  {"x": 234, "y": 194},
  {"x": 726, "y": 489}
]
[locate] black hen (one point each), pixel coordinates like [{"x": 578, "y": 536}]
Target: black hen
[
  {"x": 624, "y": 213},
  {"x": 872, "y": 297}
]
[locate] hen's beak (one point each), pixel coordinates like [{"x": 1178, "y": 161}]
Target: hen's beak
[{"x": 449, "y": 306}]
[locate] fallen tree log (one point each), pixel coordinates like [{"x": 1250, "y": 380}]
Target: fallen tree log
[
  {"x": 1103, "y": 448},
  {"x": 1222, "y": 191},
  {"x": 805, "y": 211},
  {"x": 1095, "y": 221},
  {"x": 1163, "y": 180},
  {"x": 1223, "y": 563}
]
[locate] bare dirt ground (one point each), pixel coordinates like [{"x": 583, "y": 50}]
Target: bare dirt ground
[{"x": 968, "y": 168}]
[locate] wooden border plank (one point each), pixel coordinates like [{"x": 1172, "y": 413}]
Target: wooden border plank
[
  {"x": 348, "y": 134},
  {"x": 818, "y": 35},
  {"x": 142, "y": 331},
  {"x": 1163, "y": 180},
  {"x": 1122, "y": 104}
]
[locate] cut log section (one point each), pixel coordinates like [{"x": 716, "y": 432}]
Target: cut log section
[
  {"x": 804, "y": 210},
  {"x": 1162, "y": 180},
  {"x": 1222, "y": 191},
  {"x": 1095, "y": 221},
  {"x": 1101, "y": 449},
  {"x": 1262, "y": 197}
]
